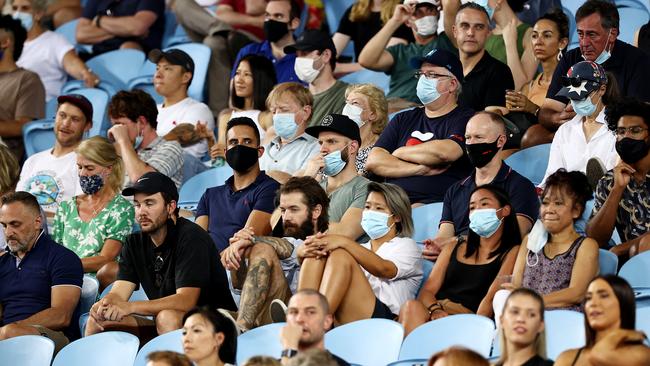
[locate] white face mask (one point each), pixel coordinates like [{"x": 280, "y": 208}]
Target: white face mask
[
  {"x": 537, "y": 239},
  {"x": 354, "y": 113},
  {"x": 304, "y": 68},
  {"x": 426, "y": 26}
]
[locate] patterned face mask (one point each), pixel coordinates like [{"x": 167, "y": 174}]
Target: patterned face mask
[{"x": 91, "y": 184}]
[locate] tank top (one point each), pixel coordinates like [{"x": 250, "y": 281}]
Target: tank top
[
  {"x": 496, "y": 47},
  {"x": 644, "y": 38},
  {"x": 550, "y": 275},
  {"x": 467, "y": 284},
  {"x": 537, "y": 91},
  {"x": 253, "y": 114}
]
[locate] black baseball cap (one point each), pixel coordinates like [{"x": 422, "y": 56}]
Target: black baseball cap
[
  {"x": 80, "y": 102},
  {"x": 153, "y": 182},
  {"x": 441, "y": 58},
  {"x": 311, "y": 40},
  {"x": 174, "y": 56},
  {"x": 337, "y": 123}
]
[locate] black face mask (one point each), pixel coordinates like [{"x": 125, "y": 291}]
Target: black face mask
[
  {"x": 631, "y": 150},
  {"x": 274, "y": 30},
  {"x": 481, "y": 154},
  {"x": 241, "y": 158}
]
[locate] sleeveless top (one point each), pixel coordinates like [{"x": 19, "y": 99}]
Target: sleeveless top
[
  {"x": 549, "y": 275},
  {"x": 467, "y": 284},
  {"x": 644, "y": 38},
  {"x": 496, "y": 47},
  {"x": 253, "y": 114},
  {"x": 536, "y": 91}
]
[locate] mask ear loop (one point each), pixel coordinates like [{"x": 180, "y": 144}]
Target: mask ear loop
[{"x": 536, "y": 259}]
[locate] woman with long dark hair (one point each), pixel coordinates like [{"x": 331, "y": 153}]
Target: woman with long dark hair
[{"x": 209, "y": 338}]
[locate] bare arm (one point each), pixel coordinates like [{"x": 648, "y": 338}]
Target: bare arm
[
  {"x": 13, "y": 128},
  {"x": 350, "y": 224},
  {"x": 520, "y": 264},
  {"x": 340, "y": 42},
  {"x": 522, "y": 69},
  {"x": 451, "y": 9},
  {"x": 524, "y": 225},
  {"x": 382, "y": 163},
  {"x": 59, "y": 314},
  {"x": 371, "y": 262},
  {"x": 553, "y": 113},
  {"x": 259, "y": 222},
  {"x": 74, "y": 66},
  {"x": 202, "y": 221},
  {"x": 183, "y": 300},
  {"x": 446, "y": 230},
  {"x": 228, "y": 15},
  {"x": 87, "y": 32},
  {"x": 433, "y": 284},
  {"x": 134, "y": 167},
  {"x": 281, "y": 246},
  {"x": 438, "y": 152},
  {"x": 374, "y": 55},
  {"x": 485, "y": 307},
  {"x": 615, "y": 349},
  {"x": 136, "y": 25},
  {"x": 110, "y": 251}
]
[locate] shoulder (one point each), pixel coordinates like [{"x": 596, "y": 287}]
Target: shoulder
[
  {"x": 59, "y": 253},
  {"x": 567, "y": 357},
  {"x": 588, "y": 245},
  {"x": 190, "y": 233},
  {"x": 359, "y": 182}
]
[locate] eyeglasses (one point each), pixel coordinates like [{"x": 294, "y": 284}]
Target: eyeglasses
[
  {"x": 430, "y": 75},
  {"x": 157, "y": 267},
  {"x": 632, "y": 131}
]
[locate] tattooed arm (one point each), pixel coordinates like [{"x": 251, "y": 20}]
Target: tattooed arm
[{"x": 281, "y": 246}]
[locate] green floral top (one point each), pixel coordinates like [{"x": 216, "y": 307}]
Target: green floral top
[{"x": 86, "y": 239}]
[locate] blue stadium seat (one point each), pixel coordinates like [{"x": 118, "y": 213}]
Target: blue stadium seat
[
  {"x": 427, "y": 267},
  {"x": 565, "y": 329},
  {"x": 573, "y": 32},
  {"x": 426, "y": 219},
  {"x": 69, "y": 30},
  {"x": 261, "y": 341},
  {"x": 117, "y": 67},
  {"x": 30, "y": 350},
  {"x": 637, "y": 270},
  {"x": 99, "y": 99},
  {"x": 171, "y": 341},
  {"x": 643, "y": 320},
  {"x": 366, "y": 342},
  {"x": 468, "y": 330},
  {"x": 192, "y": 190},
  {"x": 103, "y": 349},
  {"x": 50, "y": 108},
  {"x": 378, "y": 78},
  {"x": 642, "y": 297},
  {"x": 631, "y": 20},
  {"x": 38, "y": 136},
  {"x": 174, "y": 32},
  {"x": 607, "y": 262},
  {"x": 201, "y": 55},
  {"x": 334, "y": 10},
  {"x": 144, "y": 81},
  {"x": 89, "y": 293},
  {"x": 411, "y": 362},
  {"x": 531, "y": 162},
  {"x": 137, "y": 295}
]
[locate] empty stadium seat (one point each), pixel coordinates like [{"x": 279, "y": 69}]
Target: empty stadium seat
[
  {"x": 261, "y": 341},
  {"x": 643, "y": 320},
  {"x": 607, "y": 262},
  {"x": 468, "y": 330},
  {"x": 192, "y": 190},
  {"x": 29, "y": 350},
  {"x": 117, "y": 67},
  {"x": 69, "y": 31},
  {"x": 38, "y": 136},
  {"x": 366, "y": 342},
  {"x": 103, "y": 349},
  {"x": 378, "y": 78},
  {"x": 174, "y": 33},
  {"x": 426, "y": 219},
  {"x": 171, "y": 341},
  {"x": 531, "y": 162},
  {"x": 631, "y": 20},
  {"x": 637, "y": 270},
  {"x": 565, "y": 329}
]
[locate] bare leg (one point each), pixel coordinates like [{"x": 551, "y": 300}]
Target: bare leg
[
  {"x": 15, "y": 330},
  {"x": 128, "y": 324},
  {"x": 107, "y": 274},
  {"x": 311, "y": 273},
  {"x": 169, "y": 320},
  {"x": 412, "y": 315},
  {"x": 536, "y": 135}
]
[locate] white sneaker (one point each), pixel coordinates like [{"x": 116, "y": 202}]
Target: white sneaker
[
  {"x": 232, "y": 319},
  {"x": 595, "y": 170},
  {"x": 278, "y": 311}
]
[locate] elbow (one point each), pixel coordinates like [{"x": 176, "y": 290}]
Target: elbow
[
  {"x": 372, "y": 163},
  {"x": 139, "y": 30},
  {"x": 364, "y": 62}
]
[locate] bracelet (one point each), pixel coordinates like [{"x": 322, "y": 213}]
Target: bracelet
[
  {"x": 288, "y": 353},
  {"x": 99, "y": 17},
  {"x": 433, "y": 307}
]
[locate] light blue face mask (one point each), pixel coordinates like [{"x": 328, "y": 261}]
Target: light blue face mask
[
  {"x": 375, "y": 223},
  {"x": 285, "y": 125},
  {"x": 486, "y": 6},
  {"x": 26, "y": 19},
  {"x": 427, "y": 90},
  {"x": 484, "y": 222},
  {"x": 333, "y": 163},
  {"x": 583, "y": 107},
  {"x": 138, "y": 142},
  {"x": 605, "y": 55}
]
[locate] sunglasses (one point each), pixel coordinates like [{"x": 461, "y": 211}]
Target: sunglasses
[
  {"x": 572, "y": 81},
  {"x": 158, "y": 264}
]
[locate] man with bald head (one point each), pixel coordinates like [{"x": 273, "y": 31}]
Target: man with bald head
[{"x": 485, "y": 136}]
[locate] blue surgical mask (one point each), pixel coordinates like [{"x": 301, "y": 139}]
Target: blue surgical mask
[
  {"x": 375, "y": 223},
  {"x": 138, "y": 142},
  {"x": 91, "y": 184},
  {"x": 486, "y": 6},
  {"x": 427, "y": 90},
  {"x": 333, "y": 163},
  {"x": 285, "y": 125},
  {"x": 605, "y": 55},
  {"x": 484, "y": 222},
  {"x": 26, "y": 19},
  {"x": 583, "y": 107}
]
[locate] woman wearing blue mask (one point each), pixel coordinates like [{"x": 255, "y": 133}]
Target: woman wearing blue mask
[
  {"x": 464, "y": 278},
  {"x": 95, "y": 224},
  {"x": 373, "y": 279}
]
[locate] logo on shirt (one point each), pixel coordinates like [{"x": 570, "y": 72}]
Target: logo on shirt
[
  {"x": 46, "y": 187},
  {"x": 418, "y": 137},
  {"x": 327, "y": 120}
]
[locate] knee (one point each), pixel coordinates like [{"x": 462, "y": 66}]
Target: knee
[
  {"x": 168, "y": 320},
  {"x": 411, "y": 307},
  {"x": 9, "y": 331},
  {"x": 262, "y": 251},
  {"x": 340, "y": 257},
  {"x": 536, "y": 135}
]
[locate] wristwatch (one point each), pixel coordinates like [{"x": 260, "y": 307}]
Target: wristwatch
[{"x": 288, "y": 353}]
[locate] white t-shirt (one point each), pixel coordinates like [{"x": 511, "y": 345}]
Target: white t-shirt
[
  {"x": 407, "y": 257},
  {"x": 50, "y": 179},
  {"x": 190, "y": 111},
  {"x": 253, "y": 114},
  {"x": 44, "y": 56}
]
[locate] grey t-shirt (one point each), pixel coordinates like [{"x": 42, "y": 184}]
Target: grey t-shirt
[
  {"x": 331, "y": 100},
  {"x": 351, "y": 194}
]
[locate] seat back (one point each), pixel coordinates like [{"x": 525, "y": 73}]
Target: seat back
[
  {"x": 643, "y": 320},
  {"x": 531, "y": 162},
  {"x": 29, "y": 350},
  {"x": 99, "y": 99},
  {"x": 38, "y": 136},
  {"x": 103, "y": 349},
  {"x": 117, "y": 67},
  {"x": 607, "y": 262},
  {"x": 637, "y": 270},
  {"x": 378, "y": 78},
  {"x": 171, "y": 341},
  {"x": 565, "y": 329},
  {"x": 192, "y": 190},
  {"x": 411, "y": 362},
  {"x": 89, "y": 292},
  {"x": 174, "y": 33},
  {"x": 366, "y": 342},
  {"x": 426, "y": 219},
  {"x": 200, "y": 54},
  {"x": 468, "y": 330},
  {"x": 69, "y": 31},
  {"x": 261, "y": 341},
  {"x": 631, "y": 20}
]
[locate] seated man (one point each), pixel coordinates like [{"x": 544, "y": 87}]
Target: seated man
[
  {"x": 271, "y": 271},
  {"x": 247, "y": 198},
  {"x": 485, "y": 137},
  {"x": 134, "y": 117},
  {"x": 422, "y": 150},
  {"x": 422, "y": 17},
  {"x": 41, "y": 280},
  {"x": 51, "y": 175},
  {"x": 314, "y": 65},
  {"x": 622, "y": 198},
  {"x": 173, "y": 260},
  {"x": 109, "y": 25},
  {"x": 22, "y": 92}
]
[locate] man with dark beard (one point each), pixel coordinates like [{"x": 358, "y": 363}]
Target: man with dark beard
[
  {"x": 174, "y": 261},
  {"x": 272, "y": 271}
]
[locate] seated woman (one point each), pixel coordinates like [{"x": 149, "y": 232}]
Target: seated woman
[
  {"x": 522, "y": 336},
  {"x": 610, "y": 313},
  {"x": 9, "y": 174},
  {"x": 366, "y": 105},
  {"x": 209, "y": 338},
  {"x": 94, "y": 225},
  {"x": 373, "y": 279},
  {"x": 586, "y": 136},
  {"x": 554, "y": 259},
  {"x": 464, "y": 277}
]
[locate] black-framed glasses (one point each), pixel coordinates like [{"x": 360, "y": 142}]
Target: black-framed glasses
[
  {"x": 430, "y": 75},
  {"x": 158, "y": 264},
  {"x": 632, "y": 131}
]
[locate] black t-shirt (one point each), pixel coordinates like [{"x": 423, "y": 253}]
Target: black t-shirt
[
  {"x": 362, "y": 31},
  {"x": 628, "y": 64},
  {"x": 534, "y": 361},
  {"x": 486, "y": 84},
  {"x": 644, "y": 38},
  {"x": 187, "y": 258}
]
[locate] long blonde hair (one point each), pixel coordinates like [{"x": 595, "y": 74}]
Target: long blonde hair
[
  {"x": 9, "y": 170},
  {"x": 100, "y": 151},
  {"x": 376, "y": 101},
  {"x": 362, "y": 8}
]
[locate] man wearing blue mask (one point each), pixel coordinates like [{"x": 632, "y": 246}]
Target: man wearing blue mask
[
  {"x": 422, "y": 150},
  {"x": 598, "y": 29},
  {"x": 334, "y": 168}
]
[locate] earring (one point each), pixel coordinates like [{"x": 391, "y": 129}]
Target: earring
[{"x": 559, "y": 55}]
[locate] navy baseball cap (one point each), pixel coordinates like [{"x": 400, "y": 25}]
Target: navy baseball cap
[
  {"x": 312, "y": 40},
  {"x": 581, "y": 79},
  {"x": 441, "y": 58},
  {"x": 337, "y": 123},
  {"x": 174, "y": 56}
]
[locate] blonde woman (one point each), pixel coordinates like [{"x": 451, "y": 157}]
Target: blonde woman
[
  {"x": 367, "y": 106},
  {"x": 9, "y": 173},
  {"x": 95, "y": 224}
]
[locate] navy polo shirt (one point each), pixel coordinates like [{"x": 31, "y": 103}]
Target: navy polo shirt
[
  {"x": 523, "y": 197},
  {"x": 284, "y": 71},
  {"x": 26, "y": 285},
  {"x": 228, "y": 210}
]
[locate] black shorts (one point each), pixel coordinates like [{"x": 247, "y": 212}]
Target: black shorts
[{"x": 382, "y": 311}]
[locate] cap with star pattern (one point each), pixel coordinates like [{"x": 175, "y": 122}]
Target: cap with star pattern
[{"x": 582, "y": 79}]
